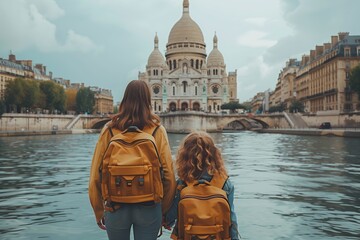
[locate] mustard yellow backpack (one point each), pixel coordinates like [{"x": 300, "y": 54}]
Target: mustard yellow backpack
[
  {"x": 131, "y": 170},
  {"x": 204, "y": 211}
]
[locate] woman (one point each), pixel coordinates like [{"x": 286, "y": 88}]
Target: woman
[
  {"x": 145, "y": 218},
  {"x": 199, "y": 159}
]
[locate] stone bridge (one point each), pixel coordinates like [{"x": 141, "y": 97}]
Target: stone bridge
[{"x": 186, "y": 121}]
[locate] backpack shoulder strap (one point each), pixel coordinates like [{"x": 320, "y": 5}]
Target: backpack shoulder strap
[
  {"x": 111, "y": 131},
  {"x": 155, "y": 130},
  {"x": 218, "y": 180}
]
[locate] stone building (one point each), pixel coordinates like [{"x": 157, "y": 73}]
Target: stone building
[
  {"x": 12, "y": 68},
  {"x": 187, "y": 78},
  {"x": 104, "y": 102},
  {"x": 322, "y": 81}
]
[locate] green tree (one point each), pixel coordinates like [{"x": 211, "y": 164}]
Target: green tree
[
  {"x": 85, "y": 101},
  {"x": 355, "y": 80},
  {"x": 15, "y": 95},
  {"x": 31, "y": 96},
  {"x": 296, "y": 106},
  {"x": 54, "y": 96},
  {"x": 2, "y": 107},
  {"x": 277, "y": 108},
  {"x": 232, "y": 106}
]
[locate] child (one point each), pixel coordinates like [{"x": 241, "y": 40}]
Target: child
[{"x": 199, "y": 160}]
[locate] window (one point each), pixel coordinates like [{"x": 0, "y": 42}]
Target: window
[
  {"x": 215, "y": 89},
  {"x": 197, "y": 63},
  {"x": 196, "y": 90},
  {"x": 192, "y": 62},
  {"x": 184, "y": 86},
  {"x": 358, "y": 51},
  {"x": 170, "y": 65},
  {"x": 174, "y": 63},
  {"x": 173, "y": 90},
  {"x": 156, "y": 89},
  {"x": 347, "y": 52}
]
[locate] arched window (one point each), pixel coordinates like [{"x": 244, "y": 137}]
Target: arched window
[
  {"x": 174, "y": 63},
  {"x": 173, "y": 90},
  {"x": 197, "y": 63},
  {"x": 213, "y": 71},
  {"x": 201, "y": 63},
  {"x": 192, "y": 62},
  {"x": 170, "y": 65},
  {"x": 184, "y": 86},
  {"x": 196, "y": 90}
]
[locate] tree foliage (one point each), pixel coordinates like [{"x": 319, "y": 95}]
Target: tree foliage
[
  {"x": 85, "y": 101},
  {"x": 30, "y": 94},
  {"x": 355, "y": 80},
  {"x": 54, "y": 96},
  {"x": 2, "y": 107},
  {"x": 296, "y": 106},
  {"x": 232, "y": 106},
  {"x": 277, "y": 108},
  {"x": 71, "y": 99},
  {"x": 15, "y": 95}
]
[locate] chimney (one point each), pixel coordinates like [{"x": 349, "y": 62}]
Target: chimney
[
  {"x": 319, "y": 50},
  {"x": 12, "y": 57},
  {"x": 343, "y": 35},
  {"x": 327, "y": 46},
  {"x": 334, "y": 40},
  {"x": 312, "y": 55}
]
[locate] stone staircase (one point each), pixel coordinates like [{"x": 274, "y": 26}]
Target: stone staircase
[
  {"x": 295, "y": 120},
  {"x": 71, "y": 124}
]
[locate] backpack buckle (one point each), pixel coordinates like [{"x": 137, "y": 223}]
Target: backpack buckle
[
  {"x": 141, "y": 181},
  {"x": 118, "y": 181},
  {"x": 128, "y": 183}
]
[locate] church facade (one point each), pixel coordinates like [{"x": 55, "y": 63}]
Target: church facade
[{"x": 187, "y": 78}]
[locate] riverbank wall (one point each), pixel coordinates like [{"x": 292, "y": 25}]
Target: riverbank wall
[{"x": 350, "y": 132}]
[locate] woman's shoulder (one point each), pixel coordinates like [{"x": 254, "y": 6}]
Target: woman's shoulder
[{"x": 228, "y": 186}]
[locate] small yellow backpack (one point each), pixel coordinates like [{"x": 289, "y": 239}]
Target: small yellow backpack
[{"x": 204, "y": 211}]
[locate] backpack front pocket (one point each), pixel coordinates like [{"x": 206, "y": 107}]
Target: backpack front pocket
[{"x": 131, "y": 184}]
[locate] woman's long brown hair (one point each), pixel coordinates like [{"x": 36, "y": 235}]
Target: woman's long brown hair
[
  {"x": 135, "y": 108},
  {"x": 198, "y": 154}
]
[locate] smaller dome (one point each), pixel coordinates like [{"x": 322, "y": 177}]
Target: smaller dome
[
  {"x": 215, "y": 57},
  {"x": 156, "y": 59}
]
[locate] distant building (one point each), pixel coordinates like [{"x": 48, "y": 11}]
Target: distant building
[
  {"x": 257, "y": 103},
  {"x": 104, "y": 102},
  {"x": 12, "y": 68},
  {"x": 187, "y": 78},
  {"x": 322, "y": 81}
]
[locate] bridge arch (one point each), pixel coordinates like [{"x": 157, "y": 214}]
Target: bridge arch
[{"x": 98, "y": 123}]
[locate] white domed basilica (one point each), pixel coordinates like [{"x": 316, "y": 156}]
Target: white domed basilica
[{"x": 188, "y": 79}]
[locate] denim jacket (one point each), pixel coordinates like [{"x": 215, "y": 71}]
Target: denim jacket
[{"x": 171, "y": 215}]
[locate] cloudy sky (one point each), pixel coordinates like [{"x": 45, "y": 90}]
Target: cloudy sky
[{"x": 106, "y": 43}]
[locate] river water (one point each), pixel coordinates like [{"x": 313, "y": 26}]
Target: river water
[{"x": 287, "y": 187}]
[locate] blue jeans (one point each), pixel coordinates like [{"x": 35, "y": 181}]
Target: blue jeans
[{"x": 145, "y": 219}]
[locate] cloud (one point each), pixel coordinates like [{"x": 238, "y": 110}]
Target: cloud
[
  {"x": 28, "y": 23},
  {"x": 313, "y": 23},
  {"x": 255, "y": 39},
  {"x": 255, "y": 77},
  {"x": 257, "y": 21}
]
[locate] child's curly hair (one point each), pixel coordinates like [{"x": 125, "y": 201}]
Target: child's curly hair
[{"x": 198, "y": 154}]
